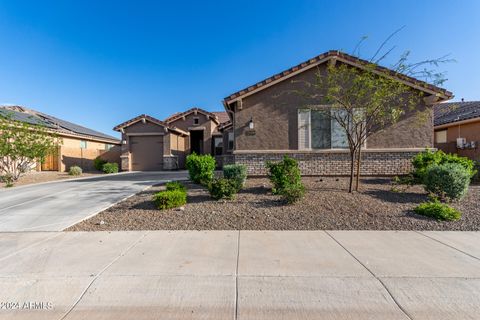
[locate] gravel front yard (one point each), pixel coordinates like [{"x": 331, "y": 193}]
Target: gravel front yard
[{"x": 326, "y": 206}]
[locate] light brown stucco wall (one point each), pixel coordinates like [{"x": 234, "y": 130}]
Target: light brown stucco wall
[{"x": 274, "y": 111}]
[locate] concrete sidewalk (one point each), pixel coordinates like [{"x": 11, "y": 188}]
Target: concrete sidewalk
[{"x": 240, "y": 275}]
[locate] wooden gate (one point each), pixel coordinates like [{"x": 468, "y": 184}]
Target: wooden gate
[{"x": 51, "y": 162}]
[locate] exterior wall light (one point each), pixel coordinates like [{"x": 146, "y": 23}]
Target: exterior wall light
[
  {"x": 251, "y": 126},
  {"x": 124, "y": 141}
]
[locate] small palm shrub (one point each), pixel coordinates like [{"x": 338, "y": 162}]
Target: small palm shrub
[
  {"x": 221, "y": 188},
  {"x": 75, "y": 171},
  {"x": 237, "y": 173},
  {"x": 286, "y": 179},
  {"x": 98, "y": 163},
  {"x": 438, "y": 210},
  {"x": 110, "y": 167},
  {"x": 175, "y": 185},
  {"x": 447, "y": 181},
  {"x": 422, "y": 161},
  {"x": 200, "y": 168},
  {"x": 170, "y": 199}
]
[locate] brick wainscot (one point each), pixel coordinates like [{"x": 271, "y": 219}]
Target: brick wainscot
[{"x": 381, "y": 162}]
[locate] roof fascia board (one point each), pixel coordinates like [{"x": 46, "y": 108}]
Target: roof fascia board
[
  {"x": 336, "y": 58},
  {"x": 456, "y": 123}
]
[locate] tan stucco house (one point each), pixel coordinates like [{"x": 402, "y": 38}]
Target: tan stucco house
[
  {"x": 150, "y": 144},
  {"x": 457, "y": 128},
  {"x": 265, "y": 122},
  {"x": 79, "y": 145},
  {"x": 269, "y": 122}
]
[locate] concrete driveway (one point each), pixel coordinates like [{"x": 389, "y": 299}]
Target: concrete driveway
[
  {"x": 240, "y": 275},
  {"x": 57, "y": 205}
]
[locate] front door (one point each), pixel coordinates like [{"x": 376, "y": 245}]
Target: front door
[{"x": 196, "y": 141}]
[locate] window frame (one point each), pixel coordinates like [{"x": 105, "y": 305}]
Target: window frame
[
  {"x": 309, "y": 110},
  {"x": 232, "y": 141}
]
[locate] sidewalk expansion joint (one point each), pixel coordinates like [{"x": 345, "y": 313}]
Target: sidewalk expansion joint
[
  {"x": 374, "y": 275},
  {"x": 450, "y": 246},
  {"x": 124, "y": 252}
]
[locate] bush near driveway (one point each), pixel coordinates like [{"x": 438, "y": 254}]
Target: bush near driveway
[
  {"x": 286, "y": 179},
  {"x": 438, "y": 210},
  {"x": 447, "y": 181},
  {"x": 200, "y": 168},
  {"x": 237, "y": 173},
  {"x": 98, "y": 163},
  {"x": 221, "y": 188},
  {"x": 422, "y": 161},
  {"x": 110, "y": 167},
  {"x": 170, "y": 199},
  {"x": 75, "y": 171},
  {"x": 175, "y": 185}
]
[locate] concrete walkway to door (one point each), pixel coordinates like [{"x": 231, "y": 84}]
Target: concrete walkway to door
[{"x": 240, "y": 275}]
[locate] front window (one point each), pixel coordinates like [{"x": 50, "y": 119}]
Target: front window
[
  {"x": 218, "y": 145},
  {"x": 230, "y": 141},
  {"x": 441, "y": 136},
  {"x": 196, "y": 121},
  {"x": 317, "y": 130}
]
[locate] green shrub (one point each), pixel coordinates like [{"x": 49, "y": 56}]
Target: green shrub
[
  {"x": 75, "y": 171},
  {"x": 170, "y": 199},
  {"x": 423, "y": 160},
  {"x": 175, "y": 185},
  {"x": 98, "y": 163},
  {"x": 237, "y": 173},
  {"x": 293, "y": 192},
  {"x": 110, "y": 167},
  {"x": 447, "y": 181},
  {"x": 221, "y": 188},
  {"x": 200, "y": 168},
  {"x": 286, "y": 179},
  {"x": 438, "y": 210},
  {"x": 7, "y": 179}
]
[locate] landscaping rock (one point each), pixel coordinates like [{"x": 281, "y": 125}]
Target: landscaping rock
[{"x": 327, "y": 206}]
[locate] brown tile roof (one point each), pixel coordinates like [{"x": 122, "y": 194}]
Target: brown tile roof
[
  {"x": 222, "y": 116},
  {"x": 455, "y": 111},
  {"x": 342, "y": 57}
]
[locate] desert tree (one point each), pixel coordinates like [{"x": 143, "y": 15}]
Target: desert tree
[
  {"x": 22, "y": 146},
  {"x": 364, "y": 99}
]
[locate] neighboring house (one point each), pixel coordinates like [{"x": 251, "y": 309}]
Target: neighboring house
[
  {"x": 80, "y": 145},
  {"x": 457, "y": 128},
  {"x": 150, "y": 144},
  {"x": 270, "y": 120}
]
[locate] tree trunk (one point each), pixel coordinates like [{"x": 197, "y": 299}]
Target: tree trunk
[
  {"x": 352, "y": 170},
  {"x": 359, "y": 160}
]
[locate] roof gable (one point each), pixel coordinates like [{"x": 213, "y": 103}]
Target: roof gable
[
  {"x": 145, "y": 117},
  {"x": 345, "y": 58},
  {"x": 180, "y": 115}
]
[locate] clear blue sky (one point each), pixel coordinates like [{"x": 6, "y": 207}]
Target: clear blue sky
[{"x": 99, "y": 63}]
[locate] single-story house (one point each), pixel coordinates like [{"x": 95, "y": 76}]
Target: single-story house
[
  {"x": 457, "y": 128},
  {"x": 270, "y": 121},
  {"x": 265, "y": 122},
  {"x": 79, "y": 145},
  {"x": 150, "y": 144}
]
